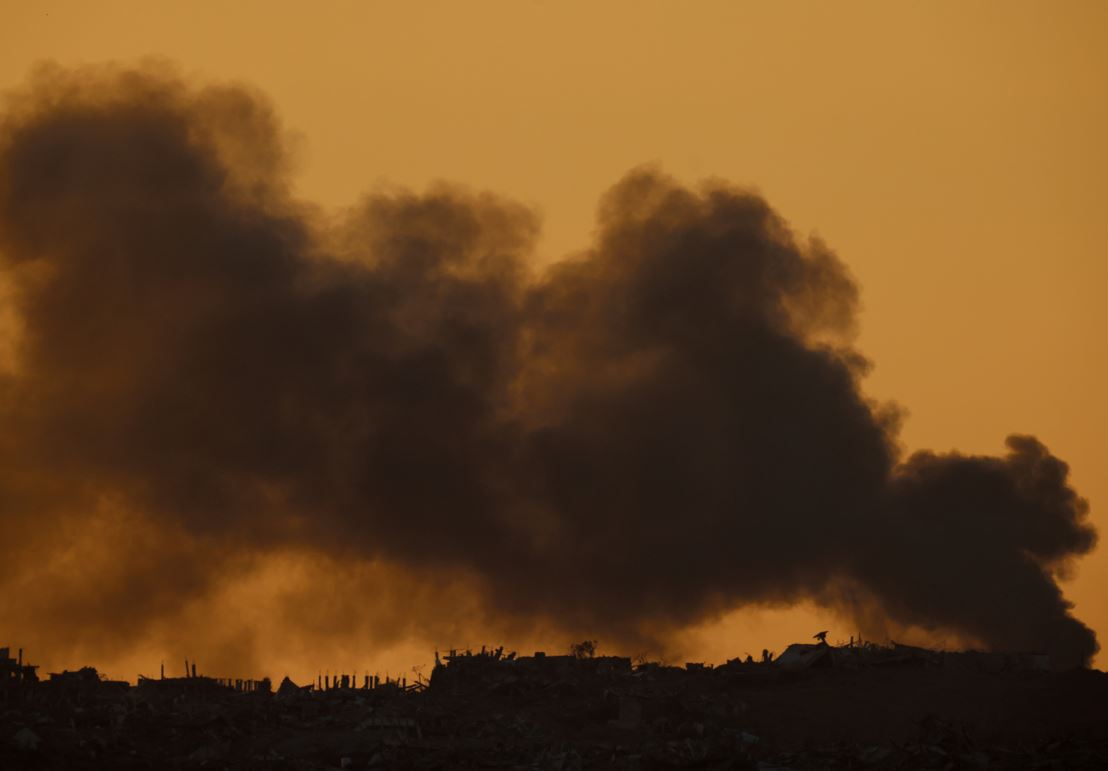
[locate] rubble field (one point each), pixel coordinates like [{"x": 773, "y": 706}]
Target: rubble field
[{"x": 814, "y": 707}]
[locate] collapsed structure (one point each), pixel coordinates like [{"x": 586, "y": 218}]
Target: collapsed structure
[
  {"x": 461, "y": 669},
  {"x": 15, "y": 676},
  {"x": 813, "y": 706},
  {"x": 803, "y": 655}
]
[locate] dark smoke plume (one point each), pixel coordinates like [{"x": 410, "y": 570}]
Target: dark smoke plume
[{"x": 202, "y": 372}]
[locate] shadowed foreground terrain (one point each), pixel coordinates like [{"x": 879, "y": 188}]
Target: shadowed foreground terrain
[{"x": 816, "y": 706}]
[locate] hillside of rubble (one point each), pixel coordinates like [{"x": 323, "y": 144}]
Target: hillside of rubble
[{"x": 813, "y": 707}]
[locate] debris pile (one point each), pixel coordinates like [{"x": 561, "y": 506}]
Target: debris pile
[{"x": 857, "y": 706}]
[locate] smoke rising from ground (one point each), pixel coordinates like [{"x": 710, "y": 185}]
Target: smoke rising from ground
[{"x": 206, "y": 376}]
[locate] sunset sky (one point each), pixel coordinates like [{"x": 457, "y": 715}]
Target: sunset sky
[{"x": 951, "y": 154}]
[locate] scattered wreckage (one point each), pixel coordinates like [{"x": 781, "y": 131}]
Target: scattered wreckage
[{"x": 854, "y": 706}]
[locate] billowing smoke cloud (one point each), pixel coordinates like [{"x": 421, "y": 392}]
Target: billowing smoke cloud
[{"x": 204, "y": 375}]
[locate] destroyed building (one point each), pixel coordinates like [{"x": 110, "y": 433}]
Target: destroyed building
[
  {"x": 853, "y": 706},
  {"x": 15, "y": 676}
]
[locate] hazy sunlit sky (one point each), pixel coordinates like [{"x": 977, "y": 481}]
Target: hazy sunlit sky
[{"x": 952, "y": 153}]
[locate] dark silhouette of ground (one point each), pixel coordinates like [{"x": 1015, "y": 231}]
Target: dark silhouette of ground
[{"x": 878, "y": 707}]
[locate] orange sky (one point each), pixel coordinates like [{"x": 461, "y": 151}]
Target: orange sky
[{"x": 952, "y": 153}]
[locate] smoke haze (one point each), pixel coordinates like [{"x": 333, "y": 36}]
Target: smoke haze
[{"x": 390, "y": 424}]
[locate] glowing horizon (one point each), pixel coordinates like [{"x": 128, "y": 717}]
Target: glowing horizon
[{"x": 959, "y": 189}]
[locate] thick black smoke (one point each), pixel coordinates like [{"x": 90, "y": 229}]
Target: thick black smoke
[{"x": 661, "y": 428}]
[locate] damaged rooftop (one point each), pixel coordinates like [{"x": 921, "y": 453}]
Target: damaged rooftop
[{"x": 813, "y": 705}]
